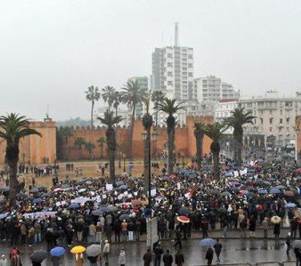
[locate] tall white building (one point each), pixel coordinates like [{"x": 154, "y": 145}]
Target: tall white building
[
  {"x": 172, "y": 71},
  {"x": 213, "y": 89},
  {"x": 275, "y": 117}
]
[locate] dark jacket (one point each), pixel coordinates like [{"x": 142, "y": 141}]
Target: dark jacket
[
  {"x": 147, "y": 258},
  {"x": 167, "y": 259},
  {"x": 179, "y": 259}
]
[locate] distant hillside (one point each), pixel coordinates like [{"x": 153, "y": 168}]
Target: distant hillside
[{"x": 73, "y": 122}]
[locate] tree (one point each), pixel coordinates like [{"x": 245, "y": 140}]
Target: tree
[
  {"x": 14, "y": 127},
  {"x": 199, "y": 136},
  {"x": 62, "y": 136},
  {"x": 110, "y": 121},
  {"x": 101, "y": 141},
  {"x": 157, "y": 97},
  {"x": 108, "y": 95},
  {"x": 215, "y": 132},
  {"x": 117, "y": 101},
  {"x": 92, "y": 95},
  {"x": 79, "y": 143},
  {"x": 170, "y": 107},
  {"x": 147, "y": 122},
  {"x": 239, "y": 118},
  {"x": 90, "y": 147},
  {"x": 132, "y": 95}
]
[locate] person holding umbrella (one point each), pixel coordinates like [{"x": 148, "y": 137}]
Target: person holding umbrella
[
  {"x": 209, "y": 255},
  {"x": 37, "y": 257},
  {"x": 93, "y": 253},
  {"x": 56, "y": 253}
]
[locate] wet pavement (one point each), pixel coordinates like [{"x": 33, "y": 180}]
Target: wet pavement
[{"x": 234, "y": 251}]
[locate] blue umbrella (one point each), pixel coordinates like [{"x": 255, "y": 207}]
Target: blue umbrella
[
  {"x": 74, "y": 206},
  {"x": 207, "y": 242},
  {"x": 290, "y": 205},
  {"x": 275, "y": 190},
  {"x": 228, "y": 174},
  {"x": 97, "y": 212},
  {"x": 280, "y": 187},
  {"x": 184, "y": 211},
  {"x": 57, "y": 251},
  {"x": 4, "y": 215},
  {"x": 37, "y": 201},
  {"x": 262, "y": 191}
]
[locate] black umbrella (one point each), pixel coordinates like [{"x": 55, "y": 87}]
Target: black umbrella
[{"x": 38, "y": 256}]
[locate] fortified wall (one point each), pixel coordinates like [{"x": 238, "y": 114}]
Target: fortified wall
[
  {"x": 35, "y": 149},
  {"x": 184, "y": 141}
]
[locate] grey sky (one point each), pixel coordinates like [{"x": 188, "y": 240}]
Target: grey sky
[{"x": 51, "y": 51}]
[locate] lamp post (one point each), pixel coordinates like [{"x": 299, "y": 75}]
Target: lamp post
[{"x": 123, "y": 156}]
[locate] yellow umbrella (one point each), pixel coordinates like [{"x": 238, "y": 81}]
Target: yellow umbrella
[{"x": 78, "y": 250}]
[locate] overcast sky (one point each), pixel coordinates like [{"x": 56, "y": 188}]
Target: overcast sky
[{"x": 51, "y": 51}]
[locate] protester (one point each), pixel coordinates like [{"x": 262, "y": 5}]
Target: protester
[
  {"x": 167, "y": 259},
  {"x": 122, "y": 258},
  {"x": 147, "y": 258},
  {"x": 209, "y": 255}
]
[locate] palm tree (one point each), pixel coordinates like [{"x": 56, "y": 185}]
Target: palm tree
[
  {"x": 101, "y": 141},
  {"x": 79, "y": 143},
  {"x": 92, "y": 95},
  {"x": 157, "y": 97},
  {"x": 90, "y": 147},
  {"x": 62, "y": 136},
  {"x": 14, "y": 127},
  {"x": 108, "y": 95},
  {"x": 147, "y": 122},
  {"x": 215, "y": 132},
  {"x": 239, "y": 118},
  {"x": 170, "y": 107},
  {"x": 132, "y": 95},
  {"x": 199, "y": 136},
  {"x": 117, "y": 101},
  {"x": 110, "y": 121}
]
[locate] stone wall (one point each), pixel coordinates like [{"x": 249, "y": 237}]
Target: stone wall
[
  {"x": 184, "y": 140},
  {"x": 35, "y": 149}
]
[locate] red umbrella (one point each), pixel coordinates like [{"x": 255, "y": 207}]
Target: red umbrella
[{"x": 183, "y": 219}]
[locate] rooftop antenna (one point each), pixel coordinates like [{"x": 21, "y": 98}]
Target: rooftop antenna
[{"x": 176, "y": 35}]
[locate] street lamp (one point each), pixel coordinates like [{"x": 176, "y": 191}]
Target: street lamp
[{"x": 123, "y": 156}]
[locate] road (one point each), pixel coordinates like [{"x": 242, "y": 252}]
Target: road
[{"x": 234, "y": 251}]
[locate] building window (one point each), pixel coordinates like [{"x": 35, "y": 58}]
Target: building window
[
  {"x": 280, "y": 120},
  {"x": 169, "y": 74},
  {"x": 190, "y": 74},
  {"x": 287, "y": 120},
  {"x": 169, "y": 83},
  {"x": 271, "y": 121}
]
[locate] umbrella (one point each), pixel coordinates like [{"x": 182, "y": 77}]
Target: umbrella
[
  {"x": 4, "y": 215},
  {"x": 34, "y": 190},
  {"x": 207, "y": 242},
  {"x": 38, "y": 256},
  {"x": 275, "y": 190},
  {"x": 57, "y": 251},
  {"x": 97, "y": 212},
  {"x": 123, "y": 187},
  {"x": 297, "y": 244},
  {"x": 82, "y": 190},
  {"x": 289, "y": 193},
  {"x": 275, "y": 220},
  {"x": 4, "y": 189},
  {"x": 78, "y": 250},
  {"x": 119, "y": 183},
  {"x": 262, "y": 191},
  {"x": 280, "y": 187},
  {"x": 74, "y": 206},
  {"x": 93, "y": 250},
  {"x": 183, "y": 219},
  {"x": 226, "y": 193},
  {"x": 112, "y": 208},
  {"x": 184, "y": 211},
  {"x": 37, "y": 201},
  {"x": 124, "y": 217},
  {"x": 290, "y": 205}
]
